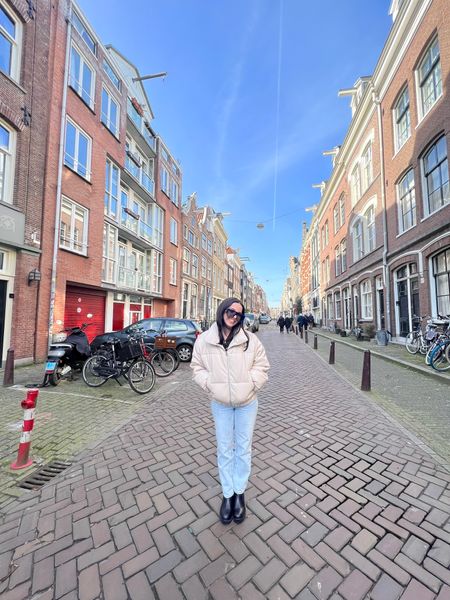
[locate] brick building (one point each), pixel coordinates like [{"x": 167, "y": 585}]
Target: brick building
[
  {"x": 381, "y": 228},
  {"x": 25, "y": 45}
]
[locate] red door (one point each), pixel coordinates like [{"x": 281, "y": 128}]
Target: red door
[{"x": 85, "y": 306}]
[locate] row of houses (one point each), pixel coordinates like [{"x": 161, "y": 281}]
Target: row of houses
[
  {"x": 377, "y": 251},
  {"x": 92, "y": 223}
]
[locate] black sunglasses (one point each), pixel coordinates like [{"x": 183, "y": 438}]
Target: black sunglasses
[{"x": 232, "y": 314}]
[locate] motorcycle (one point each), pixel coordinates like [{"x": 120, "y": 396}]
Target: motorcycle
[{"x": 66, "y": 357}]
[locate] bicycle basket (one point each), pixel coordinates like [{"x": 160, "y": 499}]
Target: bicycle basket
[
  {"x": 129, "y": 350},
  {"x": 165, "y": 343}
]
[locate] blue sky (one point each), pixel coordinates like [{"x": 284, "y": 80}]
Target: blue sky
[{"x": 239, "y": 87}]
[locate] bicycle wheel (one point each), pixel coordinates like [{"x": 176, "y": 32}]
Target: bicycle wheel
[
  {"x": 92, "y": 369},
  {"x": 141, "y": 376},
  {"x": 163, "y": 363},
  {"x": 438, "y": 359},
  {"x": 176, "y": 358},
  {"x": 412, "y": 342}
]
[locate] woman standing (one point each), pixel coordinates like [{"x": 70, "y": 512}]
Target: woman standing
[{"x": 230, "y": 363}]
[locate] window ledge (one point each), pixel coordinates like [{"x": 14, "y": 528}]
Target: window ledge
[
  {"x": 435, "y": 212},
  {"x": 91, "y": 108},
  {"x": 423, "y": 117},
  {"x": 398, "y": 150},
  {"x": 406, "y": 231},
  {"x": 13, "y": 81},
  {"x": 78, "y": 174},
  {"x": 74, "y": 252}
]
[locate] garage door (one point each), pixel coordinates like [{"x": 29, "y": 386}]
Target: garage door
[{"x": 85, "y": 306}]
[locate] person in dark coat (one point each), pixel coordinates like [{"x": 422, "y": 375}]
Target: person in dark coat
[
  {"x": 287, "y": 324},
  {"x": 281, "y": 323},
  {"x": 310, "y": 320},
  {"x": 301, "y": 321}
]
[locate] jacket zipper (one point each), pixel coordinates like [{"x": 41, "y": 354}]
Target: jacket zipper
[{"x": 228, "y": 374}]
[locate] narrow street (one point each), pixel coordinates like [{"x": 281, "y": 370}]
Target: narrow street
[{"x": 343, "y": 503}]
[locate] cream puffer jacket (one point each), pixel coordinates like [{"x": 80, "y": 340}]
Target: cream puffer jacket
[{"x": 234, "y": 376}]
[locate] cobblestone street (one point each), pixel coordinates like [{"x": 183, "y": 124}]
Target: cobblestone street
[{"x": 343, "y": 503}]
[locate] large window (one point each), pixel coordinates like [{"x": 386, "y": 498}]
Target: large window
[
  {"x": 367, "y": 166},
  {"x": 111, "y": 189},
  {"x": 336, "y": 218},
  {"x": 406, "y": 202},
  {"x": 194, "y": 270},
  {"x": 430, "y": 78},
  {"x": 172, "y": 271},
  {"x": 82, "y": 77},
  {"x": 110, "y": 112},
  {"x": 174, "y": 192},
  {"x": 358, "y": 240},
  {"x": 77, "y": 150},
  {"x": 370, "y": 226},
  {"x": 74, "y": 227},
  {"x": 173, "y": 231},
  {"x": 158, "y": 224},
  {"x": 109, "y": 253},
  {"x": 342, "y": 209},
  {"x": 366, "y": 299},
  {"x": 111, "y": 74},
  {"x": 337, "y": 261},
  {"x": 186, "y": 261},
  {"x": 9, "y": 44},
  {"x": 355, "y": 185},
  {"x": 435, "y": 169},
  {"x": 6, "y": 164},
  {"x": 402, "y": 119},
  {"x": 343, "y": 255},
  {"x": 441, "y": 273},
  {"x": 85, "y": 35},
  {"x": 165, "y": 180},
  {"x": 157, "y": 271},
  {"x": 337, "y": 305}
]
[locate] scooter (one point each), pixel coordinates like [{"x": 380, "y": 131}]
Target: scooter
[{"x": 66, "y": 357}]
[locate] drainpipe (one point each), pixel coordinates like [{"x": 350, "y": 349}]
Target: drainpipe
[
  {"x": 59, "y": 178},
  {"x": 386, "y": 274}
]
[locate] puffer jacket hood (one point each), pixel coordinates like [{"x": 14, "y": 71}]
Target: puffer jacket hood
[{"x": 233, "y": 376}]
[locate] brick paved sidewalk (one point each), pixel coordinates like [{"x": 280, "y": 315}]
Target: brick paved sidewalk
[{"x": 342, "y": 505}]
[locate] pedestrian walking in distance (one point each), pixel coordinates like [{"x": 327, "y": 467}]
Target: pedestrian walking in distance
[
  {"x": 231, "y": 364},
  {"x": 280, "y": 323},
  {"x": 287, "y": 324}
]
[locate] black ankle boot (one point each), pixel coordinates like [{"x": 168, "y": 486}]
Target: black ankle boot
[
  {"x": 239, "y": 508},
  {"x": 226, "y": 510}
]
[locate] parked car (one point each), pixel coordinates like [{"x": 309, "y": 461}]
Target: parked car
[
  {"x": 264, "y": 319},
  {"x": 251, "y": 322},
  {"x": 185, "y": 330}
]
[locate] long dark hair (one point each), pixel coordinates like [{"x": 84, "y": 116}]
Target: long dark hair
[{"x": 235, "y": 329}]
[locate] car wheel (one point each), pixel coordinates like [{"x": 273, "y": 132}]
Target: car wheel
[{"x": 184, "y": 352}]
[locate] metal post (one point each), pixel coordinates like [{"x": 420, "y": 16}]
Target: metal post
[
  {"x": 365, "y": 379},
  {"x": 315, "y": 342},
  {"x": 306, "y": 336},
  {"x": 8, "y": 375},
  {"x": 331, "y": 357},
  {"x": 296, "y": 330},
  {"x": 301, "y": 332},
  {"x": 23, "y": 459}
]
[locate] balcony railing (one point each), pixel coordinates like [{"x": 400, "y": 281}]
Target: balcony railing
[
  {"x": 140, "y": 175},
  {"x": 141, "y": 127},
  {"x": 145, "y": 231},
  {"x": 128, "y": 221},
  {"x": 132, "y": 279}
]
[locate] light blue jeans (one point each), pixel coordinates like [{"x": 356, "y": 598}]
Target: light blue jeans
[{"x": 234, "y": 432}]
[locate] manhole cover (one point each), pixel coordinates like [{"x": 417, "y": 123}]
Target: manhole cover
[{"x": 45, "y": 474}]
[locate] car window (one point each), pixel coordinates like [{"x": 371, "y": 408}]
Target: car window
[
  {"x": 196, "y": 326},
  {"x": 146, "y": 324},
  {"x": 175, "y": 326},
  {"x": 250, "y": 316}
]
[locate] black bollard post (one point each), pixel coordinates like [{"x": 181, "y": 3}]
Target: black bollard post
[
  {"x": 331, "y": 357},
  {"x": 306, "y": 336},
  {"x": 296, "y": 330},
  {"x": 365, "y": 379},
  {"x": 8, "y": 375},
  {"x": 301, "y": 332},
  {"x": 315, "y": 342}
]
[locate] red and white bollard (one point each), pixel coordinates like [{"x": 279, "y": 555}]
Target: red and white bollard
[{"x": 29, "y": 406}]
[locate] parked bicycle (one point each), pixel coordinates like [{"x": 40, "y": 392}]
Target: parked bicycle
[
  {"x": 419, "y": 340},
  {"x": 115, "y": 359},
  {"x": 161, "y": 354}
]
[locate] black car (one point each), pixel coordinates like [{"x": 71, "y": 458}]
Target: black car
[{"x": 184, "y": 330}]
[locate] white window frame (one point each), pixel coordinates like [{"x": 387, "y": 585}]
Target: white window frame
[
  {"x": 164, "y": 180},
  {"x": 366, "y": 163},
  {"x": 111, "y": 74},
  {"x": 337, "y": 260},
  {"x": 194, "y": 266},
  {"x": 426, "y": 197},
  {"x": 435, "y": 73},
  {"x": 343, "y": 249},
  {"x": 109, "y": 196},
  {"x": 341, "y": 209},
  {"x": 406, "y": 197},
  {"x": 83, "y": 32},
  {"x": 366, "y": 305},
  {"x": 401, "y": 117},
  {"x": 174, "y": 192},
  {"x": 110, "y": 262},
  {"x": 358, "y": 239},
  {"x": 16, "y": 43},
  {"x": 157, "y": 261},
  {"x": 78, "y": 132},
  {"x": 172, "y": 271},
  {"x": 369, "y": 217},
  {"x": 355, "y": 184},
  {"x": 76, "y": 81},
  {"x": 173, "y": 231},
  {"x": 72, "y": 244},
  {"x": 186, "y": 261},
  {"x": 105, "y": 116},
  {"x": 336, "y": 218},
  {"x": 7, "y": 164},
  {"x": 203, "y": 266},
  {"x": 337, "y": 305}
]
